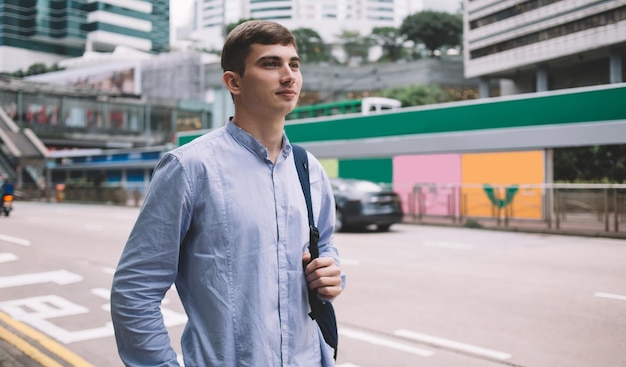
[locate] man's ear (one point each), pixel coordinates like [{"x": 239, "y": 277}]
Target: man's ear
[{"x": 231, "y": 81}]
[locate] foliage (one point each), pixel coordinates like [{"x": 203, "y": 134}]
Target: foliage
[
  {"x": 355, "y": 45},
  {"x": 418, "y": 95},
  {"x": 390, "y": 40},
  {"x": 37, "y": 68},
  {"x": 434, "y": 29},
  {"x": 605, "y": 163},
  {"x": 311, "y": 47},
  {"x": 472, "y": 223}
]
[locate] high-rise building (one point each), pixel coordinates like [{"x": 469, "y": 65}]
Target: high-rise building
[
  {"x": 327, "y": 17},
  {"x": 538, "y": 45},
  {"x": 46, "y": 32}
]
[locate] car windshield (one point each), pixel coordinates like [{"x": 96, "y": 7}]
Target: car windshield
[{"x": 356, "y": 186}]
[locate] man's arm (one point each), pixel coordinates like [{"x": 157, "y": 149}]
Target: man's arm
[{"x": 147, "y": 269}]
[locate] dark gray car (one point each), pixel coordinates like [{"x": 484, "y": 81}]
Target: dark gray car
[{"x": 363, "y": 203}]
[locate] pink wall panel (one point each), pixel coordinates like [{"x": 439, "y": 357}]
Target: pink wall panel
[{"x": 433, "y": 168}]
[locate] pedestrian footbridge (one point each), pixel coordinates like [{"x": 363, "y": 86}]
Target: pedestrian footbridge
[{"x": 22, "y": 154}]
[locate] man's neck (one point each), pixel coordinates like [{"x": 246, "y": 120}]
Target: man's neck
[{"x": 268, "y": 133}]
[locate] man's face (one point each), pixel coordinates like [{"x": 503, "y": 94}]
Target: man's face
[{"x": 272, "y": 80}]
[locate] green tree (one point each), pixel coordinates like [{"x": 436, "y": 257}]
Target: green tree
[
  {"x": 391, "y": 40},
  {"x": 35, "y": 69},
  {"x": 311, "y": 47},
  {"x": 355, "y": 45},
  {"x": 418, "y": 95},
  {"x": 605, "y": 163},
  {"x": 434, "y": 29}
]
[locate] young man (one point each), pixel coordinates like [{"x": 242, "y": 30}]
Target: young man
[{"x": 225, "y": 220}]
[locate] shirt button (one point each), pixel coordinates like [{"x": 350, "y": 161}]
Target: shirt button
[
  {"x": 285, "y": 327},
  {"x": 283, "y": 286}
]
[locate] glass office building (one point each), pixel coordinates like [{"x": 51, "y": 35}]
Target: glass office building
[{"x": 47, "y": 31}]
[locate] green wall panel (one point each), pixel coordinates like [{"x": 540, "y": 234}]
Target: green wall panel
[
  {"x": 377, "y": 170},
  {"x": 536, "y": 109}
]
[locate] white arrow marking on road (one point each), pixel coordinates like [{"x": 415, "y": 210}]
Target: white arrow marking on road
[
  {"x": 15, "y": 240},
  {"x": 5, "y": 257},
  {"x": 59, "y": 277},
  {"x": 450, "y": 245},
  {"x": 373, "y": 339},
  {"x": 609, "y": 295},
  {"x": 451, "y": 344}
]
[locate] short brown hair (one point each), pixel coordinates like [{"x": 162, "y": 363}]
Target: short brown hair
[{"x": 239, "y": 40}]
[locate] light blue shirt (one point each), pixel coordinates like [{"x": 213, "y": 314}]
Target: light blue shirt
[{"x": 229, "y": 228}]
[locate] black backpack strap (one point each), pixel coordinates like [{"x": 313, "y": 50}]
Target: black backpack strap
[
  {"x": 302, "y": 166},
  {"x": 323, "y": 313}
]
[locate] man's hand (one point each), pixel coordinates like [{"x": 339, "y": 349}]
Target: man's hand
[{"x": 323, "y": 275}]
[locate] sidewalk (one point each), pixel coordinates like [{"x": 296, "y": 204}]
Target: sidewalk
[{"x": 584, "y": 225}]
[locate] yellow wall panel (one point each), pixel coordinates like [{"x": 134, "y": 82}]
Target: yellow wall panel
[
  {"x": 331, "y": 166},
  {"x": 502, "y": 172}
]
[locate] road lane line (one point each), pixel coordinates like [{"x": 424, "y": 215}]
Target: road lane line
[
  {"x": 50, "y": 345},
  {"x": 6, "y": 257},
  {"x": 610, "y": 295},
  {"x": 15, "y": 240},
  {"x": 451, "y": 344},
  {"x": 449, "y": 245},
  {"x": 26, "y": 348},
  {"x": 373, "y": 339}
]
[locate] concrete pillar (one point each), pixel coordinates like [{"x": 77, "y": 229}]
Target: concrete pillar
[
  {"x": 542, "y": 79},
  {"x": 483, "y": 88},
  {"x": 615, "y": 68}
]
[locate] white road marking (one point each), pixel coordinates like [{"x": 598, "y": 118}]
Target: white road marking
[
  {"x": 37, "y": 311},
  {"x": 609, "y": 295},
  {"x": 109, "y": 270},
  {"x": 58, "y": 276},
  {"x": 102, "y": 293},
  {"x": 377, "y": 340},
  {"x": 15, "y": 240},
  {"x": 6, "y": 257},
  {"x": 450, "y": 245},
  {"x": 451, "y": 344}
]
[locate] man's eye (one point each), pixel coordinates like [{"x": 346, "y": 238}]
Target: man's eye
[
  {"x": 271, "y": 64},
  {"x": 295, "y": 65}
]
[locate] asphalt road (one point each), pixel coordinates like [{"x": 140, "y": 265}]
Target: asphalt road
[{"x": 416, "y": 296}]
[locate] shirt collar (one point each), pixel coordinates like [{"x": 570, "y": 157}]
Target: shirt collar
[{"x": 252, "y": 144}]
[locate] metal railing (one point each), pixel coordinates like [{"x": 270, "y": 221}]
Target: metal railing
[{"x": 592, "y": 209}]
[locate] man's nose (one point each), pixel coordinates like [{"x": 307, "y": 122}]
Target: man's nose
[{"x": 288, "y": 75}]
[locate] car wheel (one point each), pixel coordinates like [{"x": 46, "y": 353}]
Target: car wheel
[
  {"x": 338, "y": 221},
  {"x": 383, "y": 227}
]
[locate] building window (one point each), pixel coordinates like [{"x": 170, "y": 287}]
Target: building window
[
  {"x": 594, "y": 21},
  {"x": 513, "y": 11}
]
